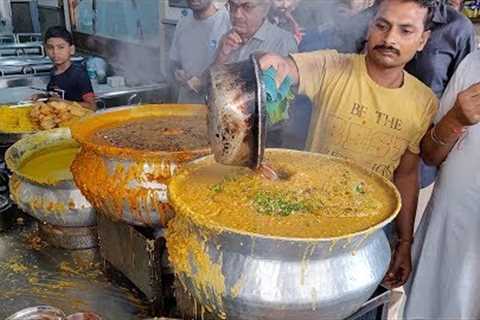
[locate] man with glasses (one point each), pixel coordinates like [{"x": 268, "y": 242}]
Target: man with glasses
[{"x": 251, "y": 31}]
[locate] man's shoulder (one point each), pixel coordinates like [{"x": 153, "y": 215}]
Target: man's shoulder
[
  {"x": 418, "y": 90},
  {"x": 472, "y": 62},
  {"x": 276, "y": 32},
  {"x": 277, "y": 37},
  {"x": 467, "y": 72},
  {"x": 458, "y": 22},
  {"x": 185, "y": 20},
  {"x": 332, "y": 54},
  {"x": 77, "y": 69}
]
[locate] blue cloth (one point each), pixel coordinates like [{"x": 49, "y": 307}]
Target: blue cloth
[{"x": 277, "y": 98}]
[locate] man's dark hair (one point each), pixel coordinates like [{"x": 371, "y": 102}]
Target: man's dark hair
[
  {"x": 58, "y": 32},
  {"x": 429, "y": 4}
]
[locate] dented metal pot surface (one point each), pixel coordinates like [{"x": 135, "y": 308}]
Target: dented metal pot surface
[
  {"x": 124, "y": 183},
  {"x": 59, "y": 203}
]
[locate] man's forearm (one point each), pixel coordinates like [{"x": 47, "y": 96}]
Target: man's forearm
[
  {"x": 440, "y": 139},
  {"x": 407, "y": 185}
]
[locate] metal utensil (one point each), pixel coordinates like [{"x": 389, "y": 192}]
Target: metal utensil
[
  {"x": 38, "y": 313},
  {"x": 236, "y": 113}
]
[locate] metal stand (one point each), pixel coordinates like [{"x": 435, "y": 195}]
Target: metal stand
[
  {"x": 139, "y": 254},
  {"x": 71, "y": 238},
  {"x": 376, "y": 308}
]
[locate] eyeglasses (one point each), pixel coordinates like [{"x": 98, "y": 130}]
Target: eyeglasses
[{"x": 246, "y": 7}]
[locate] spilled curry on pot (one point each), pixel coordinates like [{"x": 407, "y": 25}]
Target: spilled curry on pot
[
  {"x": 322, "y": 197},
  {"x": 128, "y": 155}
]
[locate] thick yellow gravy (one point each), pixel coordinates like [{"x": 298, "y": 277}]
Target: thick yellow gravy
[
  {"x": 321, "y": 198},
  {"x": 16, "y": 120},
  {"x": 50, "y": 165}
]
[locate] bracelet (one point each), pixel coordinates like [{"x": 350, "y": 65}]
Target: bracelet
[
  {"x": 435, "y": 138},
  {"x": 458, "y": 130},
  {"x": 404, "y": 240}
]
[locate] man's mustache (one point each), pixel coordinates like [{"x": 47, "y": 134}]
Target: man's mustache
[{"x": 387, "y": 48}]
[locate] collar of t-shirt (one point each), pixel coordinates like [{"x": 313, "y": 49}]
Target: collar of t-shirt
[
  {"x": 54, "y": 70},
  {"x": 263, "y": 32}
]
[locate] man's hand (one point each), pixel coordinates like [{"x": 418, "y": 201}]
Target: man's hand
[
  {"x": 228, "y": 44},
  {"x": 284, "y": 66},
  {"x": 400, "y": 266},
  {"x": 466, "y": 111},
  {"x": 193, "y": 83},
  {"x": 181, "y": 77},
  {"x": 405, "y": 179}
]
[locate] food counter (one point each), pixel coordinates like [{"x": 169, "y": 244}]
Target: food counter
[
  {"x": 103, "y": 91},
  {"x": 125, "y": 176}
]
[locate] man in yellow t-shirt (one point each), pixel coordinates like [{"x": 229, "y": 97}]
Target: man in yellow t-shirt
[
  {"x": 356, "y": 118},
  {"x": 368, "y": 109}
]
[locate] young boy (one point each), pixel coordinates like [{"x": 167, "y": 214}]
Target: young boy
[{"x": 71, "y": 78}]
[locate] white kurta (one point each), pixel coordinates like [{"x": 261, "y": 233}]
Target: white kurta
[{"x": 445, "y": 283}]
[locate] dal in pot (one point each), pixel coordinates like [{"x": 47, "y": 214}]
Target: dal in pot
[
  {"x": 51, "y": 164},
  {"x": 323, "y": 197},
  {"x": 174, "y": 133}
]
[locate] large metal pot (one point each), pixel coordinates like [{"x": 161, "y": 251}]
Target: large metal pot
[
  {"x": 128, "y": 184},
  {"x": 237, "y": 275},
  {"x": 58, "y": 203}
]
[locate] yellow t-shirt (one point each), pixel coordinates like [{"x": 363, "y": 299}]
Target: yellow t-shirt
[{"x": 355, "y": 118}]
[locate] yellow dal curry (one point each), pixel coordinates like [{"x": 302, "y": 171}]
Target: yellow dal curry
[
  {"x": 321, "y": 198},
  {"x": 16, "y": 120},
  {"x": 50, "y": 165}
]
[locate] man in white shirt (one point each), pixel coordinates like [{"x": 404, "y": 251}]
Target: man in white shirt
[
  {"x": 194, "y": 45},
  {"x": 446, "y": 257}
]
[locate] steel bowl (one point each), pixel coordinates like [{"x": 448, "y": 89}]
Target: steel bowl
[
  {"x": 236, "y": 113},
  {"x": 59, "y": 203},
  {"x": 240, "y": 275}
]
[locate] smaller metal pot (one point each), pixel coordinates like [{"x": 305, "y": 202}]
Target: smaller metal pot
[
  {"x": 60, "y": 203},
  {"x": 38, "y": 313},
  {"x": 236, "y": 113}
]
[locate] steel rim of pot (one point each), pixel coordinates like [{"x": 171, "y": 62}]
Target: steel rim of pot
[
  {"x": 42, "y": 310},
  {"x": 82, "y": 136}
]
